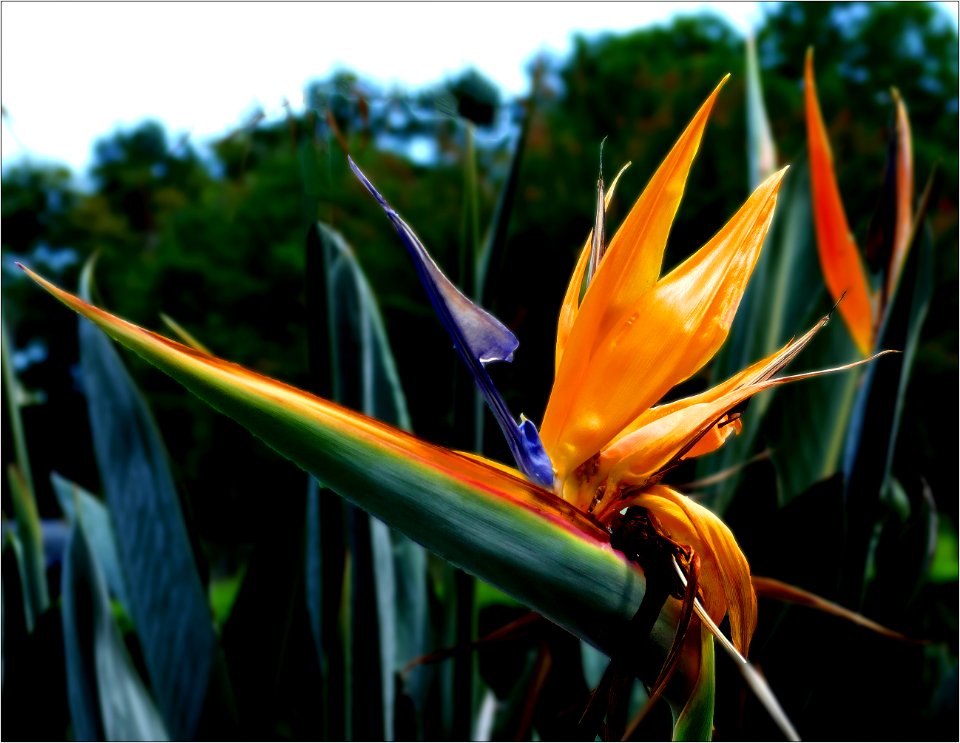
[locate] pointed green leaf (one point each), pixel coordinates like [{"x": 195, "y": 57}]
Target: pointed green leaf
[
  {"x": 166, "y": 599},
  {"x": 325, "y": 548},
  {"x": 314, "y": 570},
  {"x": 108, "y": 700},
  {"x": 470, "y": 245},
  {"x": 761, "y": 150},
  {"x": 30, "y": 534},
  {"x": 364, "y": 365},
  {"x": 484, "y": 519},
  {"x": 183, "y": 334},
  {"x": 878, "y": 246}
]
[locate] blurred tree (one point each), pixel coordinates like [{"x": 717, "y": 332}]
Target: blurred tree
[
  {"x": 477, "y": 97},
  {"x": 861, "y": 51},
  {"x": 36, "y": 202}
]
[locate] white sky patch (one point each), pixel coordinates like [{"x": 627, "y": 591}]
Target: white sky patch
[{"x": 74, "y": 72}]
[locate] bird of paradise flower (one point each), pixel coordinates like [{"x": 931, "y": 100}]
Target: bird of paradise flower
[{"x": 605, "y": 443}]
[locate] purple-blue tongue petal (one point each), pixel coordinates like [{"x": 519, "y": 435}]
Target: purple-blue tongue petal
[
  {"x": 485, "y": 336},
  {"x": 479, "y": 339}
]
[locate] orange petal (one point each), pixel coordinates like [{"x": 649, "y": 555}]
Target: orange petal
[
  {"x": 665, "y": 439},
  {"x": 571, "y": 300},
  {"x": 673, "y": 329},
  {"x": 839, "y": 257},
  {"x": 629, "y": 268},
  {"x": 635, "y": 254},
  {"x": 716, "y": 437},
  {"x": 716, "y": 396},
  {"x": 724, "y": 573},
  {"x": 904, "y": 224},
  {"x": 647, "y": 452}
]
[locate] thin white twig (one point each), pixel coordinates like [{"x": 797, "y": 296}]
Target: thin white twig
[{"x": 752, "y": 676}]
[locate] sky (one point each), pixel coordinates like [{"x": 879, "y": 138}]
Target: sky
[{"x": 73, "y": 72}]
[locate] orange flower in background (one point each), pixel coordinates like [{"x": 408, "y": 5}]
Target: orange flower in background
[{"x": 862, "y": 308}]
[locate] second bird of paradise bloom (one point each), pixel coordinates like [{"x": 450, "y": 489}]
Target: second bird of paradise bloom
[
  {"x": 862, "y": 307},
  {"x": 605, "y": 443}
]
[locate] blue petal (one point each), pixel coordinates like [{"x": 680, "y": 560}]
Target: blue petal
[
  {"x": 479, "y": 339},
  {"x": 485, "y": 336}
]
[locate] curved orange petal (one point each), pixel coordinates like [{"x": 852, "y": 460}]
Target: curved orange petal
[
  {"x": 673, "y": 329},
  {"x": 725, "y": 582},
  {"x": 635, "y": 254},
  {"x": 648, "y": 451},
  {"x": 633, "y": 459},
  {"x": 839, "y": 257},
  {"x": 904, "y": 222},
  {"x": 630, "y": 268},
  {"x": 716, "y": 437},
  {"x": 571, "y": 299},
  {"x": 757, "y": 372}
]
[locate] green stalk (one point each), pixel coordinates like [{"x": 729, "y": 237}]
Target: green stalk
[
  {"x": 12, "y": 395},
  {"x": 30, "y": 533}
]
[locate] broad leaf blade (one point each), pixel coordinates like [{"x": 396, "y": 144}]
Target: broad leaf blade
[
  {"x": 107, "y": 698},
  {"x": 364, "y": 376},
  {"x": 166, "y": 599},
  {"x": 782, "y": 297},
  {"x": 80, "y": 507},
  {"x": 872, "y": 433},
  {"x": 807, "y": 422}
]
